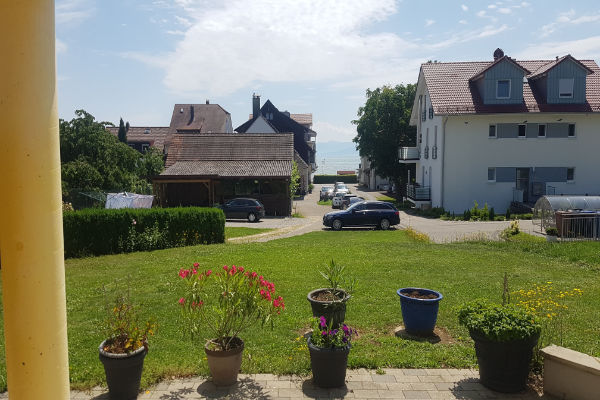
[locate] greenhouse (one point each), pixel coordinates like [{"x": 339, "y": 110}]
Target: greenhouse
[{"x": 566, "y": 210}]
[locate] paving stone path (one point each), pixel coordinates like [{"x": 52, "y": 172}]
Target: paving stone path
[{"x": 360, "y": 384}]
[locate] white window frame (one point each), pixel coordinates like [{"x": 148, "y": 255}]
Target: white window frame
[
  {"x": 488, "y": 174},
  {"x": 518, "y": 129},
  {"x": 495, "y": 136},
  {"x": 574, "y": 131},
  {"x": 570, "y": 82},
  {"x": 572, "y": 180},
  {"x": 545, "y": 131},
  {"x": 509, "y": 88}
]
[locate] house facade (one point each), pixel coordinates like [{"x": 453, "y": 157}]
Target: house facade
[
  {"x": 504, "y": 130},
  {"x": 268, "y": 119},
  {"x": 367, "y": 176}
]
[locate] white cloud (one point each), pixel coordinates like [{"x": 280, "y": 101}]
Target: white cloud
[
  {"x": 328, "y": 132},
  {"x": 61, "y": 47},
  {"x": 492, "y": 6},
  {"x": 230, "y": 46},
  {"x": 73, "y": 11},
  {"x": 463, "y": 22},
  {"x": 464, "y": 7},
  {"x": 429, "y": 22},
  {"x": 504, "y": 10},
  {"x": 588, "y": 48},
  {"x": 567, "y": 18}
]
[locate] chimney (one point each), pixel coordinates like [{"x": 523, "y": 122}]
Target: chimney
[
  {"x": 255, "y": 105},
  {"x": 207, "y": 102},
  {"x": 498, "y": 53}
]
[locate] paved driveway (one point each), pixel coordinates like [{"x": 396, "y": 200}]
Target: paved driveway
[{"x": 438, "y": 231}]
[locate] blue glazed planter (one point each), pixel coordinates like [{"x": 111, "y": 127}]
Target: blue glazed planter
[{"x": 419, "y": 315}]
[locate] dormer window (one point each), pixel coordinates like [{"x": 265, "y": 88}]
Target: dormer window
[
  {"x": 565, "y": 88},
  {"x": 503, "y": 89}
]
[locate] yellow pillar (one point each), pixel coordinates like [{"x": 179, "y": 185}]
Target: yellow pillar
[{"x": 31, "y": 241}]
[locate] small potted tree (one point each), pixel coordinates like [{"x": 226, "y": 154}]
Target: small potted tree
[
  {"x": 223, "y": 304},
  {"x": 331, "y": 302},
  {"x": 504, "y": 336},
  {"x": 329, "y": 348},
  {"x": 419, "y": 310},
  {"x": 125, "y": 348}
]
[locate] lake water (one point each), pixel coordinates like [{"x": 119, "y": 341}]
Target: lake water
[{"x": 330, "y": 165}]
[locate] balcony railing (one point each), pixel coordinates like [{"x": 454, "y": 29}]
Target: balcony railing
[
  {"x": 408, "y": 153},
  {"x": 418, "y": 193}
]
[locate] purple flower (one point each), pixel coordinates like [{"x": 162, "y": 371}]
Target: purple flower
[
  {"x": 323, "y": 322},
  {"x": 346, "y": 330},
  {"x": 345, "y": 339},
  {"x": 334, "y": 332},
  {"x": 324, "y": 333}
]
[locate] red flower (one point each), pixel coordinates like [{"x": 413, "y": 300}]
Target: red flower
[
  {"x": 183, "y": 273},
  {"x": 226, "y": 268},
  {"x": 209, "y": 272},
  {"x": 196, "y": 265},
  {"x": 241, "y": 269},
  {"x": 182, "y": 301},
  {"x": 254, "y": 274}
]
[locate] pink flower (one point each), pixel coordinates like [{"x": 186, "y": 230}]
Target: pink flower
[
  {"x": 133, "y": 222},
  {"x": 183, "y": 273},
  {"x": 253, "y": 274},
  {"x": 209, "y": 272},
  {"x": 241, "y": 269},
  {"x": 182, "y": 301},
  {"x": 194, "y": 271},
  {"x": 226, "y": 268},
  {"x": 196, "y": 265}
]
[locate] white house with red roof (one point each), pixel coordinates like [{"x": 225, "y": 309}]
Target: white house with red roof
[{"x": 504, "y": 131}]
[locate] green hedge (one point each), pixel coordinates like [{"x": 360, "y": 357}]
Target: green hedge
[
  {"x": 335, "y": 178},
  {"x": 101, "y": 231}
]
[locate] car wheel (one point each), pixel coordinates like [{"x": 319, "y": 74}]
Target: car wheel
[
  {"x": 384, "y": 224},
  {"x": 336, "y": 224},
  {"x": 252, "y": 217}
]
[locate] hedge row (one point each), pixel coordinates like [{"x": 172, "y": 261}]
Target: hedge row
[
  {"x": 106, "y": 231},
  {"x": 335, "y": 178}
]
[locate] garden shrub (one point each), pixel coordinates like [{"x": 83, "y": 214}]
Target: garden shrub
[
  {"x": 335, "y": 178},
  {"x": 108, "y": 231}
]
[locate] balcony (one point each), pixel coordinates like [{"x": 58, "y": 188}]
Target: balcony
[
  {"x": 418, "y": 193},
  {"x": 408, "y": 154}
]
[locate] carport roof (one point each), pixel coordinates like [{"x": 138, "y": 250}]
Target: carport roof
[{"x": 230, "y": 169}]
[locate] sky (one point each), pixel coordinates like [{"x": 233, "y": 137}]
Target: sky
[{"x": 135, "y": 59}]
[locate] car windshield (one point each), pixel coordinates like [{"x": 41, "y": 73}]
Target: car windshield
[
  {"x": 342, "y": 187},
  {"x": 325, "y": 188}
]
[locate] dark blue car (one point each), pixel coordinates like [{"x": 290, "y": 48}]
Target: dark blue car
[{"x": 366, "y": 213}]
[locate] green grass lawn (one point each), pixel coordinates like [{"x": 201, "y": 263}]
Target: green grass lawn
[
  {"x": 324, "y": 202},
  {"x": 232, "y": 232},
  {"x": 383, "y": 261}
]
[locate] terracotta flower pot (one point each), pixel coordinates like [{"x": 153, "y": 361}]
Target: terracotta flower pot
[
  {"x": 224, "y": 365},
  {"x": 123, "y": 372}
]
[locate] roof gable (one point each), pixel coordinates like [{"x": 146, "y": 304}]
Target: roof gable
[
  {"x": 199, "y": 118},
  {"x": 543, "y": 70},
  {"x": 503, "y": 59}
]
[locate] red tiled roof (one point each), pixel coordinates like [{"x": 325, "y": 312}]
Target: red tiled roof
[
  {"x": 451, "y": 92},
  {"x": 155, "y": 135}
]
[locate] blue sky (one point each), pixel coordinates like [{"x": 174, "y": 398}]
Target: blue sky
[{"x": 135, "y": 59}]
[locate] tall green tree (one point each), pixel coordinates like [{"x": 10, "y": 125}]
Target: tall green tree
[
  {"x": 93, "y": 159},
  {"x": 383, "y": 125},
  {"x": 294, "y": 179},
  {"x": 122, "y": 135}
]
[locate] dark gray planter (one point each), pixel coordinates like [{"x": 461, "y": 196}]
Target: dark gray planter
[
  {"x": 328, "y": 365},
  {"x": 123, "y": 372},
  {"x": 331, "y": 310}
]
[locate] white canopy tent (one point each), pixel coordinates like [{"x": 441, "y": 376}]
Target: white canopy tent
[{"x": 128, "y": 200}]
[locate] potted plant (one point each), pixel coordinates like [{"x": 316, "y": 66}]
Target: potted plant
[
  {"x": 125, "y": 348},
  {"x": 331, "y": 302},
  {"x": 419, "y": 310},
  {"x": 222, "y": 304},
  {"x": 504, "y": 336},
  {"x": 329, "y": 349}
]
